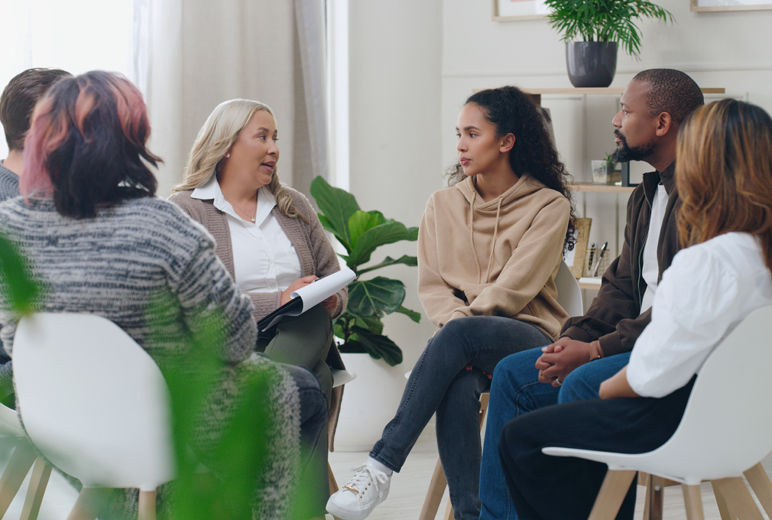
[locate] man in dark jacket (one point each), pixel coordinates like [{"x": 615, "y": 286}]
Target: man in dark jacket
[{"x": 595, "y": 346}]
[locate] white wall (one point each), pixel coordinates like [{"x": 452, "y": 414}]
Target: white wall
[
  {"x": 395, "y": 84},
  {"x": 730, "y": 49}
]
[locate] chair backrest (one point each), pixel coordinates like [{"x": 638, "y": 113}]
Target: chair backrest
[
  {"x": 569, "y": 293},
  {"x": 93, "y": 401},
  {"x": 727, "y": 425}
]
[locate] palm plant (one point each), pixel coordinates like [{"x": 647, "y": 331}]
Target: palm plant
[
  {"x": 360, "y": 233},
  {"x": 604, "y": 20}
]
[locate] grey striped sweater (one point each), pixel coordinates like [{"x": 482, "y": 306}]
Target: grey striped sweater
[
  {"x": 9, "y": 188},
  {"x": 115, "y": 264}
]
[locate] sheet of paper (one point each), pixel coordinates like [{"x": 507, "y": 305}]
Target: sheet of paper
[{"x": 314, "y": 293}]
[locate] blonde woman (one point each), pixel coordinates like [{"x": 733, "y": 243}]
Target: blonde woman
[{"x": 268, "y": 236}]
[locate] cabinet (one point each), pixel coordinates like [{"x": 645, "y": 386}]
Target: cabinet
[{"x": 618, "y": 192}]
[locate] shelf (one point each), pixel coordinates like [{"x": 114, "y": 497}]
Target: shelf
[
  {"x": 601, "y": 188},
  {"x": 590, "y": 283},
  {"x": 612, "y": 90}
]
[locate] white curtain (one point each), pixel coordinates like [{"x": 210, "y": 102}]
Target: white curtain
[{"x": 200, "y": 53}]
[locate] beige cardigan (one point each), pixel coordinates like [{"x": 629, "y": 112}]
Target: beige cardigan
[
  {"x": 495, "y": 258},
  {"x": 314, "y": 252}
]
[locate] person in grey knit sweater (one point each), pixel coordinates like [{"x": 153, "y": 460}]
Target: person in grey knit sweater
[
  {"x": 16, "y": 104},
  {"x": 100, "y": 242}
]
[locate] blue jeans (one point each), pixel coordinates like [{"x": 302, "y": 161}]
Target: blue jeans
[
  {"x": 516, "y": 390},
  {"x": 439, "y": 383}
]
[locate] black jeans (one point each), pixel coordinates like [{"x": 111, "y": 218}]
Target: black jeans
[
  {"x": 440, "y": 383},
  {"x": 564, "y": 488}
]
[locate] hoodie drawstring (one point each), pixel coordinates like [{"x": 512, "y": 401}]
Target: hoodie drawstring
[
  {"x": 493, "y": 243},
  {"x": 471, "y": 233}
]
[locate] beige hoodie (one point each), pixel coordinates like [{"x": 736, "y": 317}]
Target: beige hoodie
[{"x": 496, "y": 258}]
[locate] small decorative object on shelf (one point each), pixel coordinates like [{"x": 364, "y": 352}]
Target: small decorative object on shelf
[
  {"x": 601, "y": 25},
  {"x": 604, "y": 171}
]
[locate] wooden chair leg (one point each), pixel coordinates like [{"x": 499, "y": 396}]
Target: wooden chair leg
[
  {"x": 761, "y": 485},
  {"x": 18, "y": 466},
  {"x": 653, "y": 504},
  {"x": 738, "y": 498},
  {"x": 448, "y": 511},
  {"x": 434, "y": 494},
  {"x": 147, "y": 505},
  {"x": 723, "y": 506},
  {"x": 693, "y": 501},
  {"x": 331, "y": 479},
  {"x": 483, "y": 408},
  {"x": 37, "y": 488},
  {"x": 612, "y": 494},
  {"x": 88, "y": 504}
]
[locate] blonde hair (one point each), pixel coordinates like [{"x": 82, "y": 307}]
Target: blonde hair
[
  {"x": 213, "y": 141},
  {"x": 724, "y": 173}
]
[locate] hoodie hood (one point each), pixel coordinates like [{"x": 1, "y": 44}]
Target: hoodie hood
[{"x": 488, "y": 214}]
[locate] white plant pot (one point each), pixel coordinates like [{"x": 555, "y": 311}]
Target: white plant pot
[{"x": 369, "y": 401}]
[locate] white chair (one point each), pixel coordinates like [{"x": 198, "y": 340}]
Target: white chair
[
  {"x": 18, "y": 466},
  {"x": 339, "y": 378},
  {"x": 726, "y": 429},
  {"x": 570, "y": 298},
  {"x": 95, "y": 404}
]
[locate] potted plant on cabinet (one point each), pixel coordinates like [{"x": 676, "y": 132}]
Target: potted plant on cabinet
[
  {"x": 367, "y": 408},
  {"x": 603, "y": 25}
]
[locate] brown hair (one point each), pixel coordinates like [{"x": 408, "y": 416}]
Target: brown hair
[
  {"x": 724, "y": 174},
  {"x": 19, "y": 98}
]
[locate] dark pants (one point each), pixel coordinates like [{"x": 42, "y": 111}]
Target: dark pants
[
  {"x": 314, "y": 486},
  {"x": 440, "y": 383},
  {"x": 564, "y": 488}
]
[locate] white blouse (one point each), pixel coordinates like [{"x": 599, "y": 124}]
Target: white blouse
[
  {"x": 707, "y": 291},
  {"x": 264, "y": 259}
]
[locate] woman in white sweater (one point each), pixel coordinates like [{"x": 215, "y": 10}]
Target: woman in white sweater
[{"x": 724, "y": 176}]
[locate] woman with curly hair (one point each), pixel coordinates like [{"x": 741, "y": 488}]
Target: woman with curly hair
[{"x": 489, "y": 248}]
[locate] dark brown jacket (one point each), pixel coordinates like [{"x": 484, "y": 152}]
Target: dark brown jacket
[{"x": 614, "y": 317}]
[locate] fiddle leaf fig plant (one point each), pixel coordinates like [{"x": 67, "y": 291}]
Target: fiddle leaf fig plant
[
  {"x": 604, "y": 20},
  {"x": 361, "y": 233}
]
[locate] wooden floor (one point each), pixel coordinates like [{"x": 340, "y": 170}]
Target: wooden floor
[{"x": 405, "y": 497}]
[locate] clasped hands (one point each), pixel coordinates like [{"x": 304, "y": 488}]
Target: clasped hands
[
  {"x": 561, "y": 358},
  {"x": 330, "y": 303},
  {"x": 566, "y": 355}
]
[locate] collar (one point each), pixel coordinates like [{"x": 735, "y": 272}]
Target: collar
[
  {"x": 211, "y": 191},
  {"x": 652, "y": 179}
]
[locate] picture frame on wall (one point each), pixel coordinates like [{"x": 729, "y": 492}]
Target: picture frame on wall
[
  {"x": 729, "y": 5},
  {"x": 518, "y": 10}
]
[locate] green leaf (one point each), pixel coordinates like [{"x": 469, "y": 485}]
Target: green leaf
[
  {"x": 361, "y": 221},
  {"x": 337, "y": 205},
  {"x": 379, "y": 346},
  {"x": 413, "y": 315},
  {"x": 21, "y": 288},
  {"x": 375, "y": 297},
  {"x": 408, "y": 260},
  {"x": 387, "y": 233},
  {"x": 371, "y": 323}
]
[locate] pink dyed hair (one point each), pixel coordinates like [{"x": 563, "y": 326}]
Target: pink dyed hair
[{"x": 65, "y": 109}]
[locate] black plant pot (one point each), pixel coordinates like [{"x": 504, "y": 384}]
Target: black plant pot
[{"x": 591, "y": 64}]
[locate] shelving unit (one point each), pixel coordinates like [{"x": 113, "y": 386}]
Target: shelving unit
[{"x": 585, "y": 187}]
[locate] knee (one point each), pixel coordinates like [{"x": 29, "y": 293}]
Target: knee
[
  {"x": 576, "y": 387},
  {"x": 509, "y": 371}
]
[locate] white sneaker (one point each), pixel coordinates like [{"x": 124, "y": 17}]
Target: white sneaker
[{"x": 356, "y": 500}]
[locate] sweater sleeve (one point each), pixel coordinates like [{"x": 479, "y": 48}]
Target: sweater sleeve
[
  {"x": 439, "y": 299},
  {"x": 533, "y": 262}
]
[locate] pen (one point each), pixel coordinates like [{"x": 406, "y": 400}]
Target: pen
[
  {"x": 600, "y": 257},
  {"x": 592, "y": 257}
]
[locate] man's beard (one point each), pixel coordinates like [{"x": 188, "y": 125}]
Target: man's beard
[{"x": 636, "y": 153}]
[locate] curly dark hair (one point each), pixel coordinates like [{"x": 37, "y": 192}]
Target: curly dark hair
[{"x": 510, "y": 110}]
